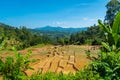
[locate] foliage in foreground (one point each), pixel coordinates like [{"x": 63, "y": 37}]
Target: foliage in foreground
[
  {"x": 107, "y": 65},
  {"x": 80, "y": 75},
  {"x": 13, "y": 68}
]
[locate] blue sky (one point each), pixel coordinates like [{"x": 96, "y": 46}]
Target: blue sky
[{"x": 64, "y": 13}]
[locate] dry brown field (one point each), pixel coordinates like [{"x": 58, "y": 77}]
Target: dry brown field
[{"x": 65, "y": 59}]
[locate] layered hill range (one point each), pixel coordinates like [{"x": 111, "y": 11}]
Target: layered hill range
[
  {"x": 51, "y": 29},
  {"x": 60, "y": 29}
]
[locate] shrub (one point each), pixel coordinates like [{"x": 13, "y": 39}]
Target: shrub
[{"x": 13, "y": 68}]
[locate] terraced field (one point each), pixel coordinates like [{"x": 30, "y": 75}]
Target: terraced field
[{"x": 58, "y": 59}]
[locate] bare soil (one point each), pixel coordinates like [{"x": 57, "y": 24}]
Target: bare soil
[{"x": 57, "y": 59}]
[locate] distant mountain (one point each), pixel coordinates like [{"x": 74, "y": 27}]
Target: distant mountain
[
  {"x": 56, "y": 33},
  {"x": 60, "y": 29}
]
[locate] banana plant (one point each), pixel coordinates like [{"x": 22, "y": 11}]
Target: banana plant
[{"x": 112, "y": 34}]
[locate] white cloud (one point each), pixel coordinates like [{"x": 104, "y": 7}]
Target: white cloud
[
  {"x": 90, "y": 19},
  {"x": 58, "y": 23},
  {"x": 85, "y": 19}
]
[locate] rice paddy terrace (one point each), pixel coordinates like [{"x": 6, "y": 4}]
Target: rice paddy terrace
[{"x": 58, "y": 59}]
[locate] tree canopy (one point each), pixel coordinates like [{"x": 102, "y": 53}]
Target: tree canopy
[{"x": 113, "y": 6}]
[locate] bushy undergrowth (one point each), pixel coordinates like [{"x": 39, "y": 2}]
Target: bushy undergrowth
[
  {"x": 107, "y": 66},
  {"x": 80, "y": 75},
  {"x": 13, "y": 68}
]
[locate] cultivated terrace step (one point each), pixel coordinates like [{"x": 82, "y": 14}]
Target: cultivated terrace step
[{"x": 71, "y": 60}]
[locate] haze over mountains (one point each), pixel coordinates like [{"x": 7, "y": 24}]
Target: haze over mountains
[
  {"x": 60, "y": 29},
  {"x": 56, "y": 33}
]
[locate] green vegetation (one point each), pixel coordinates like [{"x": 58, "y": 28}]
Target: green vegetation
[
  {"x": 20, "y": 37},
  {"x": 93, "y": 36},
  {"x": 53, "y": 35},
  {"x": 13, "y": 68},
  {"x": 113, "y": 6},
  {"x": 104, "y": 67},
  {"x": 81, "y": 75},
  {"x": 107, "y": 65}
]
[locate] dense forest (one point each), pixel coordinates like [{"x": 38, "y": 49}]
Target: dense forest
[
  {"x": 56, "y": 34},
  {"x": 20, "y": 37},
  {"x": 53, "y": 36},
  {"x": 92, "y": 36}
]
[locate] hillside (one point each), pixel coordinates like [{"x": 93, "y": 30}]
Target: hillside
[
  {"x": 56, "y": 33},
  {"x": 19, "y": 37}
]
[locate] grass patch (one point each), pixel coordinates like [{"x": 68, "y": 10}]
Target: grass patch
[{"x": 39, "y": 45}]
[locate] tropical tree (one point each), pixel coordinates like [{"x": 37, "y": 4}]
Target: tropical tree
[
  {"x": 112, "y": 35},
  {"x": 113, "y": 6},
  {"x": 107, "y": 64}
]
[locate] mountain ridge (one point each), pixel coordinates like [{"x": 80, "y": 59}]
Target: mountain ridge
[{"x": 60, "y": 29}]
